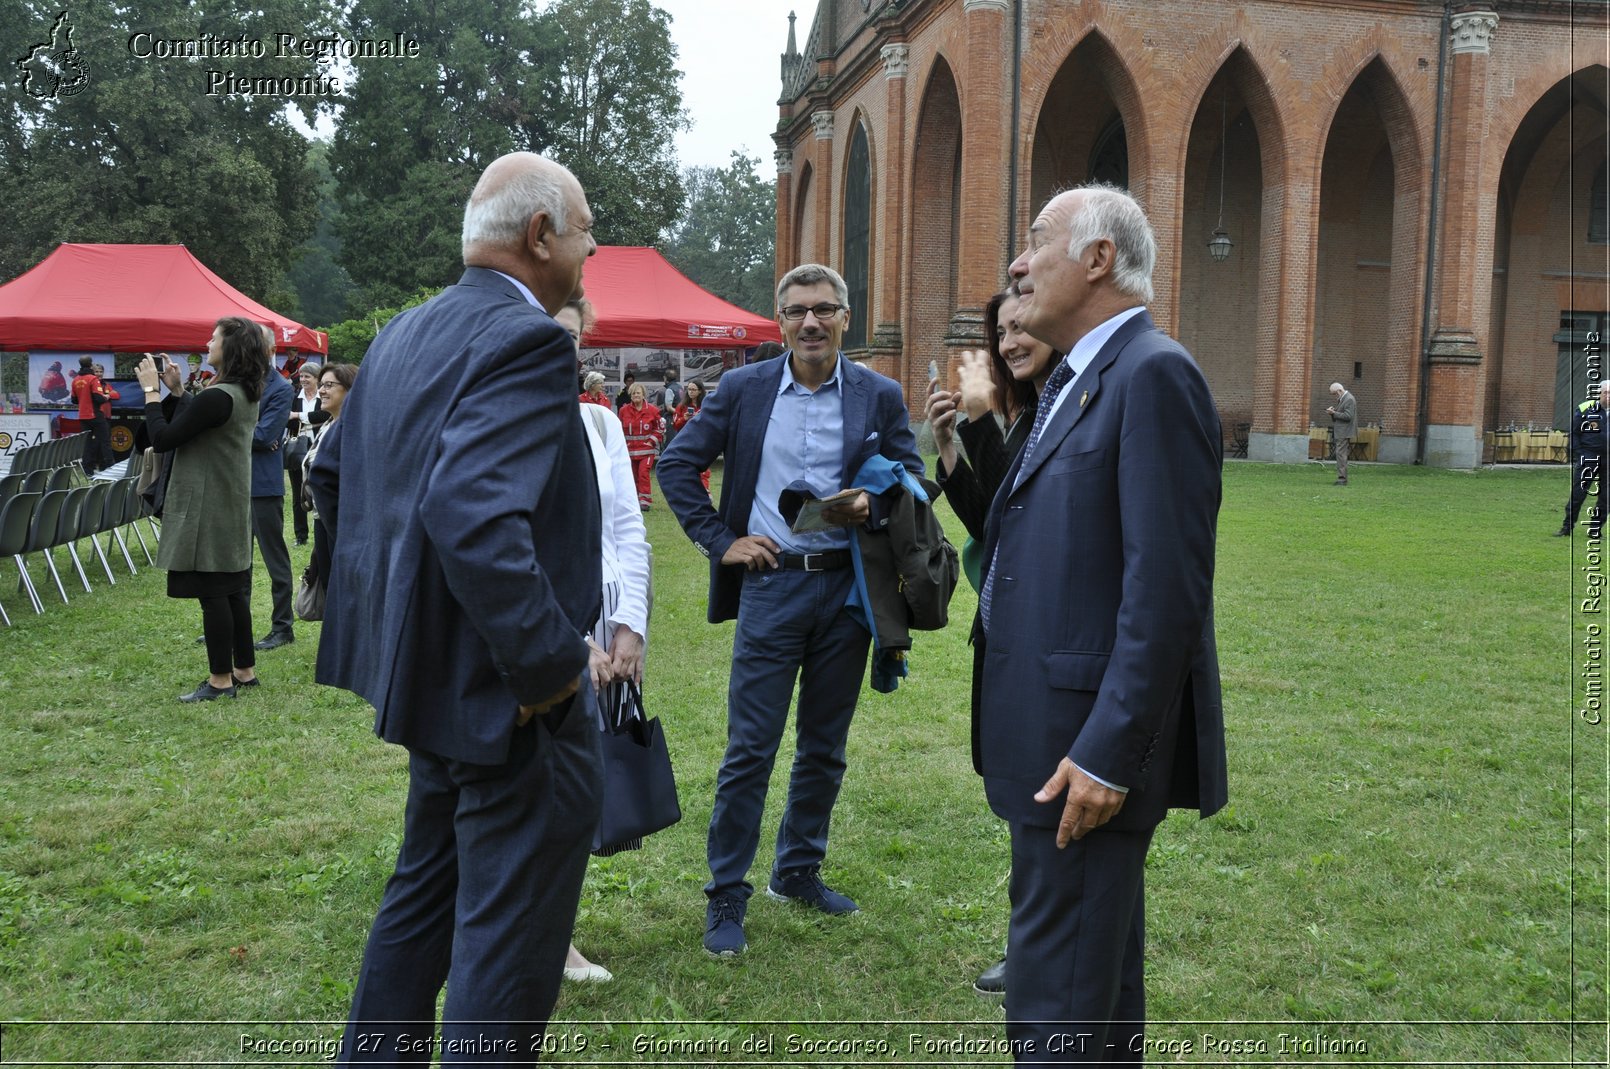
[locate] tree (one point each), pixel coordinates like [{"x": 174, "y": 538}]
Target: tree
[
  {"x": 591, "y": 83},
  {"x": 323, "y": 286},
  {"x": 415, "y": 133},
  {"x": 726, "y": 241},
  {"x": 106, "y": 146},
  {"x": 614, "y": 108}
]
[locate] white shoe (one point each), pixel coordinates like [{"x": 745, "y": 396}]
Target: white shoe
[{"x": 588, "y": 974}]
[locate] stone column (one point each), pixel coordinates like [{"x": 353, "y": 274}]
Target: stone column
[
  {"x": 783, "y": 251},
  {"x": 823, "y": 180},
  {"x": 1464, "y": 256},
  {"x": 891, "y": 224},
  {"x": 1280, "y": 400},
  {"x": 986, "y": 120}
]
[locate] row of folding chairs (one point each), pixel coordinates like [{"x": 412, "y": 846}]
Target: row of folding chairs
[
  {"x": 47, "y": 455},
  {"x": 41, "y": 480},
  {"x": 43, "y": 522}
]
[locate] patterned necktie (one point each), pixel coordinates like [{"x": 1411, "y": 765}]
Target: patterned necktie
[{"x": 1042, "y": 414}]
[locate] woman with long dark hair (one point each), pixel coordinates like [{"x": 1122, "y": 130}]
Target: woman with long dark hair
[
  {"x": 335, "y": 380},
  {"x": 692, "y": 401},
  {"x": 206, "y": 542}
]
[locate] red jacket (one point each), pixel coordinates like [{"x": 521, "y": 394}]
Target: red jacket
[
  {"x": 644, "y": 429},
  {"x": 680, "y": 417},
  {"x": 86, "y": 391}
]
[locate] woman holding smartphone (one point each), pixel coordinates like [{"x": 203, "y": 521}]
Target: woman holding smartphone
[{"x": 206, "y": 544}]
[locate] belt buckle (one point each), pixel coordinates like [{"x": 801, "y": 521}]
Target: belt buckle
[{"x": 809, "y": 567}]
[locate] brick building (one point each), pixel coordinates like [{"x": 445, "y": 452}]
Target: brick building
[{"x": 1443, "y": 254}]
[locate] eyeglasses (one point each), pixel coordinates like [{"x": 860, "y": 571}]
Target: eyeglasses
[
  {"x": 822, "y": 311},
  {"x": 330, "y": 386}
]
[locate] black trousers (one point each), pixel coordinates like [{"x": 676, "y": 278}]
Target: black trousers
[
  {"x": 1585, "y": 471},
  {"x": 98, "y": 446},
  {"x": 226, "y": 624},
  {"x": 268, "y": 528},
  {"x": 298, "y": 510},
  {"x": 483, "y": 898}
]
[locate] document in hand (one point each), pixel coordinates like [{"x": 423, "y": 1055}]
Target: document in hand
[{"x": 810, "y": 513}]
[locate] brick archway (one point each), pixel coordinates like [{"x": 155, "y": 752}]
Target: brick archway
[
  {"x": 1368, "y": 280},
  {"x": 1228, "y": 311},
  {"x": 1545, "y": 265},
  {"x": 935, "y": 226}
]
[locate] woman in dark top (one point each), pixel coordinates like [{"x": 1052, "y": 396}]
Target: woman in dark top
[
  {"x": 334, "y": 382},
  {"x": 1016, "y": 369},
  {"x": 206, "y": 542}
]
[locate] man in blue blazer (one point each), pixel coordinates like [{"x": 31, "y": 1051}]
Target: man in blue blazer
[
  {"x": 1099, "y": 705},
  {"x": 458, "y": 490},
  {"x": 811, "y": 418},
  {"x": 268, "y": 495}
]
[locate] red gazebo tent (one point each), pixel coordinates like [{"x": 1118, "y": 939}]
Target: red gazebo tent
[
  {"x": 130, "y": 298},
  {"x": 641, "y": 300}
]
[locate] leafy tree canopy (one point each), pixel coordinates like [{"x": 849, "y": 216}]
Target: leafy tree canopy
[
  {"x": 98, "y": 144},
  {"x": 725, "y": 242},
  {"x": 591, "y": 83}
]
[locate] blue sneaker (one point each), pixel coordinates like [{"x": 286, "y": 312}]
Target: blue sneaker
[
  {"x": 724, "y": 926},
  {"x": 808, "y": 889}
]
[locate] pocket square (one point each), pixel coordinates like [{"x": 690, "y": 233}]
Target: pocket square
[{"x": 872, "y": 437}]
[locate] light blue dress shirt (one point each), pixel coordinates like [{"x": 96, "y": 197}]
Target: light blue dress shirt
[{"x": 804, "y": 442}]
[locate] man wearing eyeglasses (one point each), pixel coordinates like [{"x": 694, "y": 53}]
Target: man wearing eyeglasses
[{"x": 811, "y": 418}]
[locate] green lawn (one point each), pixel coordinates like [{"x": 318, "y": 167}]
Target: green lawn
[{"x": 1412, "y": 867}]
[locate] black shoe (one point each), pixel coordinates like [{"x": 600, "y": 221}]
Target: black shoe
[
  {"x": 201, "y": 640},
  {"x": 301, "y": 541},
  {"x": 274, "y": 640},
  {"x": 992, "y": 981},
  {"x": 1564, "y": 531},
  {"x": 252, "y": 682},
  {"x": 807, "y": 888},
  {"x": 1339, "y": 482},
  {"x": 724, "y": 926},
  {"x": 206, "y": 693}
]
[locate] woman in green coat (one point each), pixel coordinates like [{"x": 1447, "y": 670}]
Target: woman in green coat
[{"x": 206, "y": 542}]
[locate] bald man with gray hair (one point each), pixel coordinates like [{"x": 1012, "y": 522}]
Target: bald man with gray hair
[
  {"x": 1343, "y": 419},
  {"x": 464, "y": 577}
]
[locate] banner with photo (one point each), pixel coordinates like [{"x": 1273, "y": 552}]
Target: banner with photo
[
  {"x": 51, "y": 375},
  {"x": 648, "y": 365}
]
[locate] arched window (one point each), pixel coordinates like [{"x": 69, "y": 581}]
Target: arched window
[
  {"x": 858, "y": 237},
  {"x": 1599, "y": 210},
  {"x": 1109, "y": 160}
]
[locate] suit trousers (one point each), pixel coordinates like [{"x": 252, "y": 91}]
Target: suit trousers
[
  {"x": 1075, "y": 957},
  {"x": 1344, "y": 446},
  {"x": 483, "y": 897},
  {"x": 298, "y": 509},
  {"x": 791, "y": 624},
  {"x": 268, "y": 527},
  {"x": 1583, "y": 475}
]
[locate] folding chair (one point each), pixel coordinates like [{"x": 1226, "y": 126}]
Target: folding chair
[{"x": 16, "y": 517}]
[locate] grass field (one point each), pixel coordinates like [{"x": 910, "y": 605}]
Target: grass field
[{"x": 1412, "y": 867}]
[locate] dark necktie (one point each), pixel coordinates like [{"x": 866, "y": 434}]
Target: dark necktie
[{"x": 1042, "y": 414}]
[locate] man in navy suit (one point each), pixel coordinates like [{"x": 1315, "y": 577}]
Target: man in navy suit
[
  {"x": 1099, "y": 704},
  {"x": 458, "y": 490},
  {"x": 268, "y": 496},
  {"x": 813, "y": 417}
]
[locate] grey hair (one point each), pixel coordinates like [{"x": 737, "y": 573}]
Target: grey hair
[
  {"x": 811, "y": 275},
  {"x": 1111, "y": 213},
  {"x": 1336, "y": 386},
  {"x": 501, "y": 217}
]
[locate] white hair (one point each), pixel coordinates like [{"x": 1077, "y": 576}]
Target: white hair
[
  {"x": 1109, "y": 212},
  {"x": 500, "y": 218},
  {"x": 1337, "y": 387}
]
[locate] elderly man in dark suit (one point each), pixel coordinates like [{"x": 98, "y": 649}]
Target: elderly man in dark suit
[
  {"x": 812, "y": 417},
  {"x": 458, "y": 490},
  {"x": 1099, "y": 703}
]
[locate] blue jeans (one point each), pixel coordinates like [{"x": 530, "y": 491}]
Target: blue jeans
[{"x": 791, "y": 624}]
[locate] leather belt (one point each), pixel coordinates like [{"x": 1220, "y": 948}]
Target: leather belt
[{"x": 816, "y": 562}]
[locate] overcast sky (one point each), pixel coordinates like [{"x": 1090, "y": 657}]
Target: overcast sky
[{"x": 728, "y": 52}]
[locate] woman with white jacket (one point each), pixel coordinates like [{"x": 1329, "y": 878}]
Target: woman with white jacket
[{"x": 622, "y": 627}]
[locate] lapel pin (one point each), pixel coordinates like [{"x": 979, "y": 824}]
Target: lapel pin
[{"x": 1083, "y": 398}]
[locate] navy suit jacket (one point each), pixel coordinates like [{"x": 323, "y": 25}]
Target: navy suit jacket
[
  {"x": 732, "y": 424},
  {"x": 1101, "y": 642},
  {"x": 273, "y": 410},
  {"x": 458, "y": 489}
]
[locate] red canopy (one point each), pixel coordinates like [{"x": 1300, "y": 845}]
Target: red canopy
[
  {"x": 641, "y": 300},
  {"x": 129, "y": 299}
]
